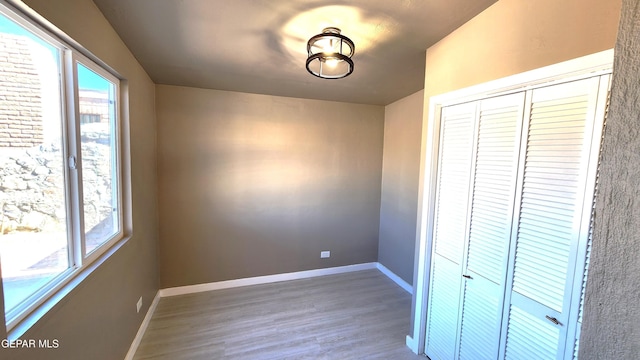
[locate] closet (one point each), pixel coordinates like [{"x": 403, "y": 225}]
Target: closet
[{"x": 512, "y": 210}]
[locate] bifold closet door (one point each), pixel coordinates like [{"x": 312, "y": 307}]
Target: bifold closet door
[
  {"x": 492, "y": 205},
  {"x": 514, "y": 192},
  {"x": 552, "y": 228},
  {"x": 473, "y": 226},
  {"x": 457, "y": 127}
]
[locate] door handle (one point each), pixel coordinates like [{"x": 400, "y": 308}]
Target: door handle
[
  {"x": 553, "y": 320},
  {"x": 467, "y": 277}
]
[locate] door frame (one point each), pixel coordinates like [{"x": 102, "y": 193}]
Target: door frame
[{"x": 583, "y": 67}]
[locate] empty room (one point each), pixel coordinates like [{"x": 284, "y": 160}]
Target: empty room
[{"x": 303, "y": 179}]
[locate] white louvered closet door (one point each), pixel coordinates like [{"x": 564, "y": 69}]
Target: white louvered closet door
[
  {"x": 486, "y": 260},
  {"x": 583, "y": 259},
  {"x": 514, "y": 198},
  {"x": 553, "y": 221},
  {"x": 452, "y": 200}
]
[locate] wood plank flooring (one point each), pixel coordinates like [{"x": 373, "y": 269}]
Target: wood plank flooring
[{"x": 359, "y": 315}]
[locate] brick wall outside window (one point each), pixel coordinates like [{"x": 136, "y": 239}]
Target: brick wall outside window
[{"x": 21, "y": 119}]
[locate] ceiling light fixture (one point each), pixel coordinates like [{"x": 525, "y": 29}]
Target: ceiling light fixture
[{"x": 330, "y": 54}]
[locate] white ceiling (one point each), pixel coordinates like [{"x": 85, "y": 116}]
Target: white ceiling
[{"x": 259, "y": 46}]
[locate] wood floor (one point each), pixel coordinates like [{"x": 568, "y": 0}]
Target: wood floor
[{"x": 358, "y": 315}]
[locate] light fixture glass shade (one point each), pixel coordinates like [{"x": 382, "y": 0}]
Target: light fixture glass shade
[{"x": 330, "y": 54}]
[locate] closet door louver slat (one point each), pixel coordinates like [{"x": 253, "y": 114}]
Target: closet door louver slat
[
  {"x": 494, "y": 184},
  {"x": 479, "y": 337},
  {"x": 587, "y": 257},
  {"x": 550, "y": 218},
  {"x": 496, "y": 167},
  {"x": 452, "y": 197},
  {"x": 453, "y": 180},
  {"x": 530, "y": 337},
  {"x": 443, "y": 310}
]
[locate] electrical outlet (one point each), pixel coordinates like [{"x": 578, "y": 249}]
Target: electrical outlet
[
  {"x": 139, "y": 304},
  {"x": 325, "y": 254}
]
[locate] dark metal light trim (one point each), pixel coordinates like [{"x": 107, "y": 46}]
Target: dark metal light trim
[{"x": 343, "y": 49}]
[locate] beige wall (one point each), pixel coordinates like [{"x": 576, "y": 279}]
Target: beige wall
[
  {"x": 98, "y": 319},
  {"x": 514, "y": 36},
  {"x": 400, "y": 173},
  {"x": 254, "y": 185}
]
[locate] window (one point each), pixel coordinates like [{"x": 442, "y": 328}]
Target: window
[
  {"x": 60, "y": 183},
  {"x": 99, "y": 154}
]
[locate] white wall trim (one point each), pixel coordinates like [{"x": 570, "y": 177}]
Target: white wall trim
[
  {"x": 143, "y": 328},
  {"x": 397, "y": 279},
  {"x": 189, "y": 289}
]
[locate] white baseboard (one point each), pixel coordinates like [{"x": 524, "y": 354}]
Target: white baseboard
[
  {"x": 182, "y": 290},
  {"x": 397, "y": 279},
  {"x": 412, "y": 344},
  {"x": 143, "y": 328}
]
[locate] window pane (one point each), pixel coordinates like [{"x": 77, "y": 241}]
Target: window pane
[
  {"x": 99, "y": 174},
  {"x": 33, "y": 217}
]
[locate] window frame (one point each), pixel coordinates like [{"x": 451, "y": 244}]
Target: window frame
[
  {"x": 75, "y": 144},
  {"x": 80, "y": 264}
]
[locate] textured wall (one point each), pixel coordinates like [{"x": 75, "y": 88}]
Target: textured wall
[
  {"x": 98, "y": 319},
  {"x": 611, "y": 328},
  {"x": 400, "y": 173},
  {"x": 514, "y": 36},
  {"x": 254, "y": 185}
]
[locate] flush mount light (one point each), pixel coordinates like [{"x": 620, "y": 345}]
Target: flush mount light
[{"x": 330, "y": 54}]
